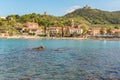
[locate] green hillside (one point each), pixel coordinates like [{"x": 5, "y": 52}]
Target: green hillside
[{"x": 95, "y": 16}]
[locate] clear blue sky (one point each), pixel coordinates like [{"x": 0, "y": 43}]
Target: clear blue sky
[{"x": 53, "y": 7}]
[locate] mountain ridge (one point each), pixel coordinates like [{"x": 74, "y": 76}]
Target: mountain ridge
[{"x": 96, "y": 16}]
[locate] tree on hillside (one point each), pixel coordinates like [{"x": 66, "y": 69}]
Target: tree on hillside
[
  {"x": 11, "y": 21},
  {"x": 109, "y": 31},
  {"x": 84, "y": 27},
  {"x": 102, "y": 32}
]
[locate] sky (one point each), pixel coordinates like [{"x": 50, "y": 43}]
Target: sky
[{"x": 53, "y": 7}]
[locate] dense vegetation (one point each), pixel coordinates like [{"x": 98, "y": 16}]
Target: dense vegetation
[
  {"x": 91, "y": 17},
  {"x": 12, "y": 22},
  {"x": 83, "y": 15}
]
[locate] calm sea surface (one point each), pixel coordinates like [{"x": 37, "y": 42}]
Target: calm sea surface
[{"x": 62, "y": 60}]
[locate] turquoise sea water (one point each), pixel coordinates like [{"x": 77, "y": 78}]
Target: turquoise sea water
[{"x": 75, "y": 60}]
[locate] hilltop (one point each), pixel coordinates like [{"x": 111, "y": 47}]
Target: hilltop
[{"x": 95, "y": 16}]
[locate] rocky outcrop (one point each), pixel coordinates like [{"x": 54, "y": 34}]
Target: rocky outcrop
[{"x": 41, "y": 48}]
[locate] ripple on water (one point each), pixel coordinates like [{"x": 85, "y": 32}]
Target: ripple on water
[{"x": 77, "y": 61}]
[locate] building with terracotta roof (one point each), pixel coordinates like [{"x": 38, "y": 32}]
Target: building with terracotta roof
[{"x": 33, "y": 28}]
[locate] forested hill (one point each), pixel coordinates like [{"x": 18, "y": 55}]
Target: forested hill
[{"x": 96, "y": 16}]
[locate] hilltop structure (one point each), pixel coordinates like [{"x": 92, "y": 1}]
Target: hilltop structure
[{"x": 87, "y": 7}]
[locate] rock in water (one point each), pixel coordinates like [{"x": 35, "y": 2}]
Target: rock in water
[{"x": 41, "y": 48}]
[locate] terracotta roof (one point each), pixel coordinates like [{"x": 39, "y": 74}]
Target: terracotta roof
[{"x": 31, "y": 24}]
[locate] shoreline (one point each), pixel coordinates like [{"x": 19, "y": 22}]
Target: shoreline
[
  {"x": 58, "y": 38},
  {"x": 37, "y": 37},
  {"x": 108, "y": 38},
  {"x": 103, "y": 39}
]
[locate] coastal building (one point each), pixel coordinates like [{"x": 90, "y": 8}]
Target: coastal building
[
  {"x": 64, "y": 31},
  {"x": 103, "y": 31},
  {"x": 72, "y": 30},
  {"x": 94, "y": 31},
  {"x": 116, "y": 31},
  {"x": 31, "y": 25},
  {"x": 53, "y": 31},
  {"x": 76, "y": 30},
  {"x": 66, "y": 28},
  {"x": 33, "y": 28},
  {"x": 4, "y": 33}
]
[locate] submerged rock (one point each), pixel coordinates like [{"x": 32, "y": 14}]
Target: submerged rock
[
  {"x": 62, "y": 49},
  {"x": 59, "y": 49}
]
